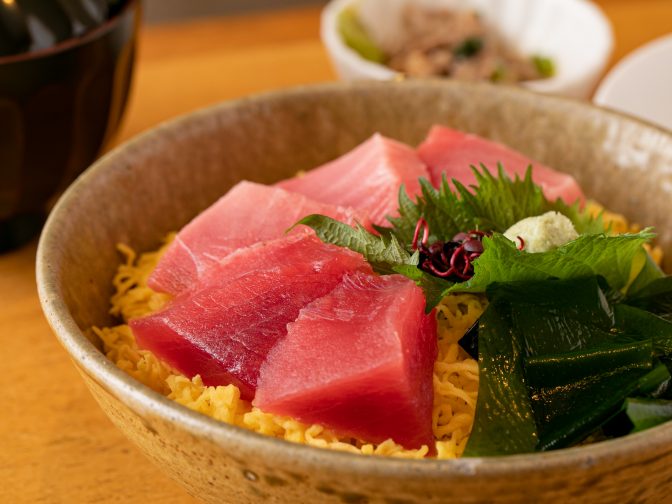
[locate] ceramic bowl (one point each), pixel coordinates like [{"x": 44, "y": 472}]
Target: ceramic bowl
[
  {"x": 159, "y": 181},
  {"x": 58, "y": 107},
  {"x": 575, "y": 34}
]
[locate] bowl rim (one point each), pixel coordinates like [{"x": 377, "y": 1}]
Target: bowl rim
[
  {"x": 145, "y": 401},
  {"x": 339, "y": 51},
  {"x": 603, "y": 95},
  {"x": 72, "y": 42}
]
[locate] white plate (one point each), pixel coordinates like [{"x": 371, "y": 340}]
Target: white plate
[{"x": 641, "y": 84}]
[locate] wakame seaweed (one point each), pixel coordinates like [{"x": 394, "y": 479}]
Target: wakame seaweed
[
  {"x": 645, "y": 413},
  {"x": 572, "y": 394},
  {"x": 504, "y": 422},
  {"x": 636, "y": 321},
  {"x": 558, "y": 359},
  {"x": 655, "y": 297}
]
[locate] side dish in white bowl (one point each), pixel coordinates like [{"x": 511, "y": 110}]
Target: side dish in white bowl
[{"x": 552, "y": 46}]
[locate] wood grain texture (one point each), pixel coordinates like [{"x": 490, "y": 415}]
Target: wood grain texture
[{"x": 56, "y": 446}]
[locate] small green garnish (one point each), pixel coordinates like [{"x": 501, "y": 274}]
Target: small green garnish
[
  {"x": 494, "y": 203},
  {"x": 356, "y": 37},
  {"x": 499, "y": 74},
  {"x": 545, "y": 66},
  {"x": 645, "y": 413},
  {"x": 469, "y": 47},
  {"x": 612, "y": 257},
  {"x": 382, "y": 252}
]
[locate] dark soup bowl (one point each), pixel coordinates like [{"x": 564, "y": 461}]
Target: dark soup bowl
[
  {"x": 59, "y": 105},
  {"x": 156, "y": 183}
]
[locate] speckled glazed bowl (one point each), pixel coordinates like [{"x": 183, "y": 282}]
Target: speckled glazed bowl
[{"x": 159, "y": 181}]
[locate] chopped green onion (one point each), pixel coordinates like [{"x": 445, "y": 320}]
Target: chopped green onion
[
  {"x": 499, "y": 74},
  {"x": 355, "y": 36},
  {"x": 544, "y": 66},
  {"x": 469, "y": 48}
]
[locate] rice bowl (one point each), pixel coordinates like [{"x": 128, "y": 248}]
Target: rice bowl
[{"x": 246, "y": 465}]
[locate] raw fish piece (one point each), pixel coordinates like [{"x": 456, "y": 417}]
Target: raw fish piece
[
  {"x": 358, "y": 360},
  {"x": 247, "y": 214},
  {"x": 452, "y": 152},
  {"x": 367, "y": 178},
  {"x": 225, "y": 326}
]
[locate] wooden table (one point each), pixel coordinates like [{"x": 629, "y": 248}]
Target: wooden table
[{"x": 56, "y": 446}]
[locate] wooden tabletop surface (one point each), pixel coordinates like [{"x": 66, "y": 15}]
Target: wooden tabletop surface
[{"x": 56, "y": 445}]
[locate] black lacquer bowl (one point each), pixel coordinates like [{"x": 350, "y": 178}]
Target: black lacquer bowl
[{"x": 58, "y": 107}]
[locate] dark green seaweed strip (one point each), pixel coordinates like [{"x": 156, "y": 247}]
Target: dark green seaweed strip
[
  {"x": 635, "y": 322},
  {"x": 656, "y": 297},
  {"x": 504, "y": 422},
  {"x": 557, "y": 316},
  {"x": 656, "y": 383},
  {"x": 553, "y": 352},
  {"x": 559, "y": 370},
  {"x": 572, "y": 394}
]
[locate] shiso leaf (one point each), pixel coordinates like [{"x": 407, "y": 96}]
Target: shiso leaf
[
  {"x": 499, "y": 202},
  {"x": 433, "y": 287},
  {"x": 649, "y": 272},
  {"x": 409, "y": 214},
  {"x": 383, "y": 253},
  {"x": 608, "y": 256},
  {"x": 495, "y": 203},
  {"x": 445, "y": 214}
]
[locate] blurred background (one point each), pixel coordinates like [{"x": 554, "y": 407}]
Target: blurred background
[
  {"x": 176, "y": 57},
  {"x": 170, "y": 10}
]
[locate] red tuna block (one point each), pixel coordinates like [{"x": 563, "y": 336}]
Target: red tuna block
[
  {"x": 359, "y": 361},
  {"x": 451, "y": 152},
  {"x": 367, "y": 178},
  {"x": 247, "y": 214},
  {"x": 225, "y": 326}
]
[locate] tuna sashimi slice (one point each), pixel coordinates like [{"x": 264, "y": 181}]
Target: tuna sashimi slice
[
  {"x": 359, "y": 361},
  {"x": 367, "y": 178},
  {"x": 451, "y": 152},
  {"x": 224, "y": 327},
  {"x": 247, "y": 214}
]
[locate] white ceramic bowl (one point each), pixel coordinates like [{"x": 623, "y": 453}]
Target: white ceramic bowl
[
  {"x": 574, "y": 33},
  {"x": 641, "y": 84}
]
